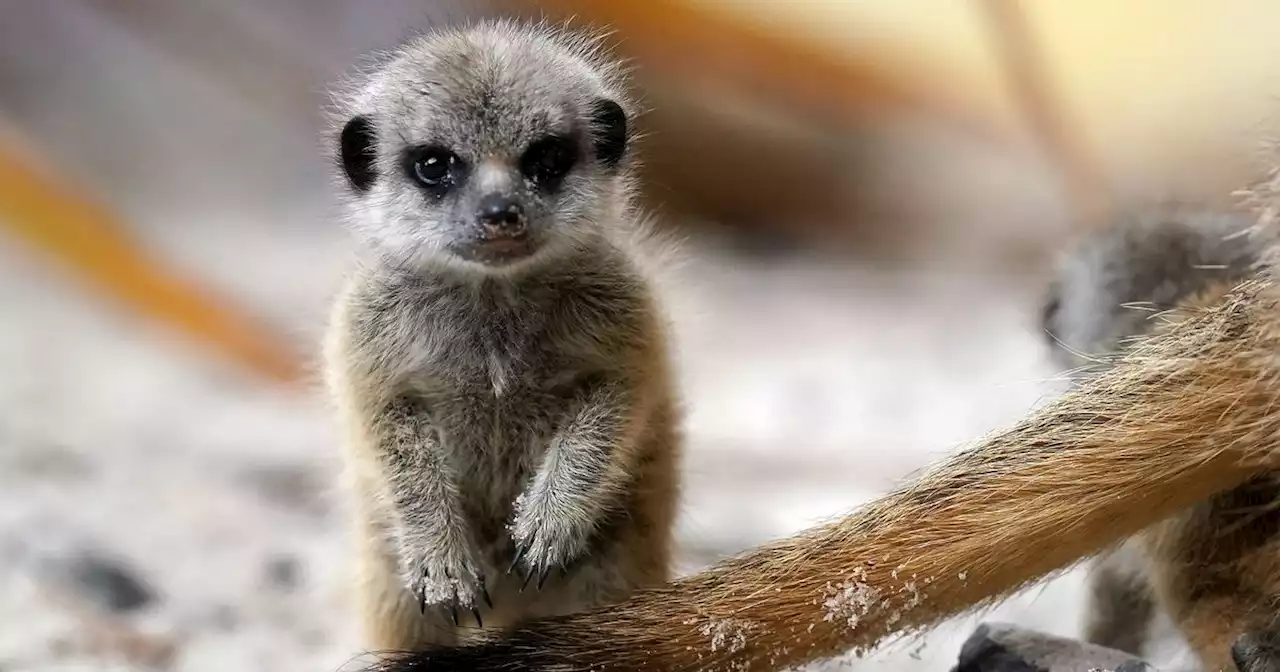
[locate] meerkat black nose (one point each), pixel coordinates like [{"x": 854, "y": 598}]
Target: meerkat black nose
[{"x": 501, "y": 215}]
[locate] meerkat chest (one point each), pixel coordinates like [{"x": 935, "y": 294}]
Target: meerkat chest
[
  {"x": 492, "y": 361},
  {"x": 497, "y": 366},
  {"x": 500, "y": 382},
  {"x": 498, "y": 397}
]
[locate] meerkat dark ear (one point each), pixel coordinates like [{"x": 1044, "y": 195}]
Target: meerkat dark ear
[
  {"x": 609, "y": 129},
  {"x": 358, "y": 152},
  {"x": 1049, "y": 312}
]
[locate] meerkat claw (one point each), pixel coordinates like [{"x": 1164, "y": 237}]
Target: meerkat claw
[
  {"x": 475, "y": 612},
  {"x": 484, "y": 592},
  {"x": 543, "y": 577},
  {"x": 520, "y": 553}
]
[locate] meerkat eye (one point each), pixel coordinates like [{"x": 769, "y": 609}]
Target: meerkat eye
[
  {"x": 435, "y": 168},
  {"x": 548, "y": 160}
]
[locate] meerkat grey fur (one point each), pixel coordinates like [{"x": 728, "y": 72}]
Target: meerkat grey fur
[
  {"x": 1111, "y": 288},
  {"x": 1113, "y": 284},
  {"x": 498, "y": 359}
]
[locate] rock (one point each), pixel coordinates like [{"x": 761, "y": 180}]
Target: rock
[
  {"x": 289, "y": 487},
  {"x": 115, "y": 638},
  {"x": 61, "y": 648},
  {"x": 224, "y": 618},
  {"x": 108, "y": 584},
  {"x": 999, "y": 647},
  {"x": 49, "y": 461},
  {"x": 313, "y": 638},
  {"x": 283, "y": 572}
]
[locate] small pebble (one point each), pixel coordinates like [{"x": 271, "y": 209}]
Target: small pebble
[
  {"x": 284, "y": 572},
  {"x": 108, "y": 583},
  {"x": 224, "y": 618},
  {"x": 288, "y": 487}
]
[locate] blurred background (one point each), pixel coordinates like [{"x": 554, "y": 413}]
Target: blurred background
[{"x": 871, "y": 194}]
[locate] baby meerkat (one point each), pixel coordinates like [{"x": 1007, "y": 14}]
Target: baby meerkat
[
  {"x": 499, "y": 360},
  {"x": 1215, "y": 569}
]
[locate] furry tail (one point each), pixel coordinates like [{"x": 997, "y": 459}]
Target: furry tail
[{"x": 1188, "y": 413}]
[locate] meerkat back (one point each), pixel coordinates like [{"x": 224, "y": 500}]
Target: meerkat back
[{"x": 499, "y": 360}]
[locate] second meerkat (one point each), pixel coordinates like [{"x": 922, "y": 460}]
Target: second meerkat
[
  {"x": 499, "y": 360},
  {"x": 1215, "y": 570}
]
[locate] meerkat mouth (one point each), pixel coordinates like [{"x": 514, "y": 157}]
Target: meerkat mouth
[{"x": 500, "y": 249}]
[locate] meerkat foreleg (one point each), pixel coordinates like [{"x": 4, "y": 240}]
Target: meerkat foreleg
[
  {"x": 583, "y": 469},
  {"x": 436, "y": 551},
  {"x": 1120, "y": 604}
]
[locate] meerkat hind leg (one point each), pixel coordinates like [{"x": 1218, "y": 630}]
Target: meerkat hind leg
[{"x": 1120, "y": 607}]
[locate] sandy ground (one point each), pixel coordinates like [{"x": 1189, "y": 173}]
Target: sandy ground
[{"x": 813, "y": 385}]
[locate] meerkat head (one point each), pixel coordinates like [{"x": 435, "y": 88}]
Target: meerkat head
[
  {"x": 488, "y": 146},
  {"x": 1116, "y": 280}
]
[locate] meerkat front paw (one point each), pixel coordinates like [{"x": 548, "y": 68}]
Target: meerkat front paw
[
  {"x": 545, "y": 539},
  {"x": 447, "y": 579}
]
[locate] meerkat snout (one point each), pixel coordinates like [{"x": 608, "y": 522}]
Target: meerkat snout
[
  {"x": 502, "y": 231},
  {"x": 500, "y": 216}
]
